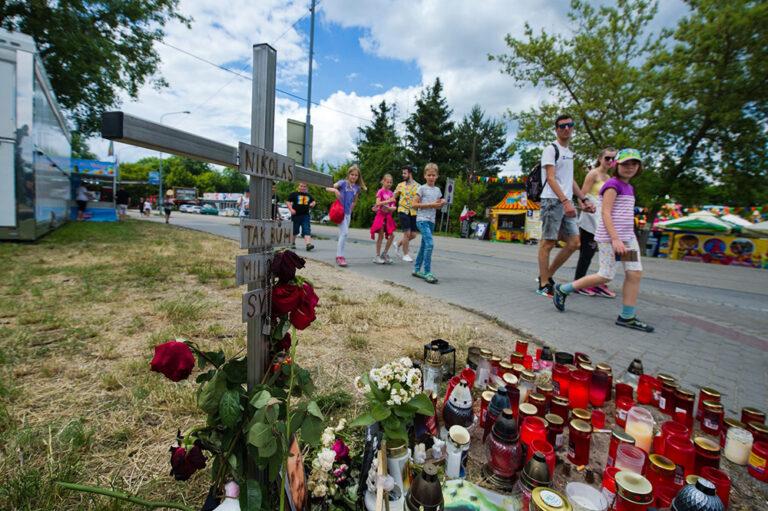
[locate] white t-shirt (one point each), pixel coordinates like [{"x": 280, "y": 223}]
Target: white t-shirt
[
  {"x": 563, "y": 171},
  {"x": 82, "y": 193}
]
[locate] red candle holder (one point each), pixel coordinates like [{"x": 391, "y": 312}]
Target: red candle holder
[
  {"x": 598, "y": 388},
  {"x": 546, "y": 449},
  {"x": 680, "y": 450},
  {"x": 749, "y": 414},
  {"x": 559, "y": 406},
  {"x": 645, "y": 387},
  {"x": 618, "y": 437},
  {"x": 561, "y": 377},
  {"x": 555, "y": 430},
  {"x": 667, "y": 398},
  {"x": 578, "y": 391},
  {"x": 533, "y": 428},
  {"x": 579, "y": 438},
  {"x": 668, "y": 429},
  {"x": 624, "y": 390},
  {"x": 707, "y": 454},
  {"x": 660, "y": 473},
  {"x": 712, "y": 418},
  {"x": 721, "y": 481},
  {"x": 468, "y": 375},
  {"x": 683, "y": 410},
  {"x": 706, "y": 394},
  {"x": 623, "y": 406},
  {"x": 521, "y": 346},
  {"x": 598, "y": 419},
  {"x": 451, "y": 384}
]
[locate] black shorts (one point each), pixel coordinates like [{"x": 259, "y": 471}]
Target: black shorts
[
  {"x": 81, "y": 205},
  {"x": 407, "y": 222}
]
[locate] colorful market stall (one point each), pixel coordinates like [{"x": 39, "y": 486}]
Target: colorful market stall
[
  {"x": 100, "y": 178},
  {"x": 704, "y": 237},
  {"x": 515, "y": 219}
]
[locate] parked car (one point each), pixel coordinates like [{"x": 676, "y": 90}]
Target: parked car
[
  {"x": 209, "y": 210},
  {"x": 229, "y": 212},
  {"x": 184, "y": 208},
  {"x": 194, "y": 209},
  {"x": 284, "y": 213}
]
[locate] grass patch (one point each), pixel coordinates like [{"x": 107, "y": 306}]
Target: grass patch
[
  {"x": 356, "y": 342},
  {"x": 183, "y": 309},
  {"x": 208, "y": 271},
  {"x": 390, "y": 299},
  {"x": 333, "y": 402}
]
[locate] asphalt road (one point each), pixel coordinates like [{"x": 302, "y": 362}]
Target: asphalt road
[{"x": 711, "y": 321}]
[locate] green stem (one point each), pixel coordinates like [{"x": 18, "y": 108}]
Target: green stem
[
  {"x": 151, "y": 504},
  {"x": 292, "y": 354}
]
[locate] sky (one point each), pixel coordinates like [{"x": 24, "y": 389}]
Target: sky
[{"x": 364, "y": 51}]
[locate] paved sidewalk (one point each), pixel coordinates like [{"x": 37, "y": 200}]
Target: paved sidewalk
[{"x": 711, "y": 321}]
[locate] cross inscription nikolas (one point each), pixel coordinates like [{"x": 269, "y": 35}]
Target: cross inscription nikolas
[{"x": 260, "y": 233}]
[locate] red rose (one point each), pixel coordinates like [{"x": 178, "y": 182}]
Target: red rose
[
  {"x": 285, "y": 298},
  {"x": 302, "y": 316},
  {"x": 284, "y": 344},
  {"x": 174, "y": 359},
  {"x": 285, "y": 264},
  {"x": 341, "y": 449},
  {"x": 185, "y": 463},
  {"x": 310, "y": 296}
]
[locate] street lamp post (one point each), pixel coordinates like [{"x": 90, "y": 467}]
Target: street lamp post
[{"x": 160, "y": 199}]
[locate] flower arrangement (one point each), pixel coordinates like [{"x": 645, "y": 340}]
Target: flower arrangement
[
  {"x": 394, "y": 396},
  {"x": 330, "y": 478}
]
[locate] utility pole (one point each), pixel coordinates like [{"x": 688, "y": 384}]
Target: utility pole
[{"x": 309, "y": 83}]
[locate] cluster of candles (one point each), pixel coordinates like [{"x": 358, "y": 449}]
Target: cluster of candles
[{"x": 646, "y": 465}]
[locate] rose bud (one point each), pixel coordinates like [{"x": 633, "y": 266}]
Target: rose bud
[
  {"x": 174, "y": 359},
  {"x": 185, "y": 463},
  {"x": 285, "y": 264}
]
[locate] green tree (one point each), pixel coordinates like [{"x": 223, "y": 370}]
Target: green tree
[
  {"x": 481, "y": 144},
  {"x": 233, "y": 181},
  {"x": 94, "y": 50},
  {"x": 429, "y": 135},
  {"x": 80, "y": 148}
]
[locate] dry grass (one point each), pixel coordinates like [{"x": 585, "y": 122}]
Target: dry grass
[{"x": 80, "y": 312}]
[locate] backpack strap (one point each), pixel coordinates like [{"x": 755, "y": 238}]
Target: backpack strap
[{"x": 557, "y": 153}]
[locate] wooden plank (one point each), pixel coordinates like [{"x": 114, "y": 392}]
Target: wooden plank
[
  {"x": 258, "y": 162},
  {"x": 264, "y": 234},
  {"x": 127, "y": 129},
  {"x": 255, "y": 304},
  {"x": 252, "y": 268}
]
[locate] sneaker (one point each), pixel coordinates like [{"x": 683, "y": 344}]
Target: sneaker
[
  {"x": 604, "y": 291},
  {"x": 430, "y": 278},
  {"x": 419, "y": 274},
  {"x": 635, "y": 324},
  {"x": 398, "y": 250},
  {"x": 558, "y": 298},
  {"x": 387, "y": 259},
  {"x": 587, "y": 291},
  {"x": 341, "y": 261},
  {"x": 378, "y": 260},
  {"x": 310, "y": 247},
  {"x": 407, "y": 258},
  {"x": 546, "y": 290}
]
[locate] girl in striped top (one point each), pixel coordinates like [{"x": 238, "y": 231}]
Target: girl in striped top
[{"x": 616, "y": 242}]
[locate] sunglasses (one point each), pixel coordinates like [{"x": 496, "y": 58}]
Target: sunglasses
[
  {"x": 609, "y": 158},
  {"x": 565, "y": 125}
]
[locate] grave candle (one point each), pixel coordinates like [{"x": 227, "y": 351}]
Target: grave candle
[
  {"x": 667, "y": 397},
  {"x": 598, "y": 388},
  {"x": 640, "y": 427},
  {"x": 712, "y": 418},
  {"x": 707, "y": 454},
  {"x": 730, "y": 422},
  {"x": 618, "y": 437},
  {"x": 521, "y": 346},
  {"x": 706, "y": 394},
  {"x": 738, "y": 445},
  {"x": 561, "y": 377},
  {"x": 559, "y": 406},
  {"x": 555, "y": 430},
  {"x": 605, "y": 368},
  {"x": 749, "y": 414},
  {"x": 579, "y": 438},
  {"x": 578, "y": 391}
]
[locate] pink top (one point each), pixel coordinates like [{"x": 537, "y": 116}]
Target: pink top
[
  {"x": 622, "y": 214},
  {"x": 382, "y": 195}
]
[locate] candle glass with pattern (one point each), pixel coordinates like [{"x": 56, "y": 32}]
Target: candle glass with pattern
[
  {"x": 432, "y": 371},
  {"x": 503, "y": 451}
]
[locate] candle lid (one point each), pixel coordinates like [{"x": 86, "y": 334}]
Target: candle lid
[
  {"x": 518, "y": 368},
  {"x": 753, "y": 411},
  {"x": 684, "y": 393},
  {"x": 662, "y": 462},
  {"x": 505, "y": 365},
  {"x": 634, "y": 486},
  {"x": 555, "y": 419},
  {"x": 691, "y": 479},
  {"x": 545, "y": 388},
  {"x": 516, "y": 355},
  {"x": 665, "y": 378},
  {"x": 545, "y": 499},
  {"x": 434, "y": 358},
  {"x": 487, "y": 395},
  {"x": 492, "y": 387},
  {"x": 706, "y": 444},
  {"x": 496, "y": 359},
  {"x": 528, "y": 409},
  {"x": 527, "y": 375},
  {"x": 459, "y": 435},
  {"x": 603, "y": 367},
  {"x": 583, "y": 357},
  {"x": 537, "y": 398},
  {"x": 710, "y": 392},
  {"x": 734, "y": 423},
  {"x": 586, "y": 366},
  {"x": 510, "y": 379},
  {"x": 623, "y": 437},
  {"x": 581, "y": 413},
  {"x": 560, "y": 400},
  {"x": 757, "y": 426},
  {"x": 486, "y": 353},
  {"x": 713, "y": 406},
  {"x": 546, "y": 353},
  {"x": 580, "y": 425}
]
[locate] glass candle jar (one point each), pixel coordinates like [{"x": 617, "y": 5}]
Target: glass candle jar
[
  {"x": 680, "y": 450},
  {"x": 527, "y": 410},
  {"x": 605, "y": 368},
  {"x": 560, "y": 406},
  {"x": 540, "y": 402},
  {"x": 513, "y": 393},
  {"x": 533, "y": 428},
  {"x": 683, "y": 410},
  {"x": 578, "y": 391},
  {"x": 668, "y": 429},
  {"x": 633, "y": 492},
  {"x": 561, "y": 378},
  {"x": 527, "y": 385},
  {"x": 707, "y": 454},
  {"x": 712, "y": 418},
  {"x": 660, "y": 473},
  {"x": 618, "y": 437},
  {"x": 504, "y": 368},
  {"x": 721, "y": 481},
  {"x": 521, "y": 346},
  {"x": 609, "y": 485},
  {"x": 582, "y": 413},
  {"x": 730, "y": 422},
  {"x": 496, "y": 366},
  {"x": 640, "y": 426},
  {"x": 598, "y": 388},
  {"x": 645, "y": 386},
  {"x": 547, "y": 390},
  {"x": 579, "y": 438},
  {"x": 749, "y": 414},
  {"x": 630, "y": 457},
  {"x": 623, "y": 406},
  {"x": 517, "y": 369},
  {"x": 757, "y": 465},
  {"x": 758, "y": 430},
  {"x": 504, "y": 453},
  {"x": 483, "y": 369},
  {"x": 706, "y": 394},
  {"x": 485, "y": 400},
  {"x": 516, "y": 358},
  {"x": 667, "y": 398},
  {"x": 555, "y": 430},
  {"x": 738, "y": 445}
]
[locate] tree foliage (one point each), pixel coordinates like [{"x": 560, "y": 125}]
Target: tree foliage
[
  {"x": 94, "y": 50},
  {"x": 481, "y": 144},
  {"x": 692, "y": 99}
]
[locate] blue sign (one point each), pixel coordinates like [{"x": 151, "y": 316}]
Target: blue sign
[
  {"x": 154, "y": 178},
  {"x": 93, "y": 167}
]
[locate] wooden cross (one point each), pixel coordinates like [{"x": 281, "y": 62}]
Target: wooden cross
[{"x": 260, "y": 233}]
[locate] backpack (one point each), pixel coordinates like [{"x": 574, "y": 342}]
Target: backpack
[{"x": 534, "y": 184}]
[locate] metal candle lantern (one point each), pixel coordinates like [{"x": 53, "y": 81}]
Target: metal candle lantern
[
  {"x": 448, "y": 354},
  {"x": 504, "y": 453},
  {"x": 432, "y": 371},
  {"x": 425, "y": 493}
]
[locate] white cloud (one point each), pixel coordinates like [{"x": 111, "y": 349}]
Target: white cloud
[{"x": 352, "y": 76}]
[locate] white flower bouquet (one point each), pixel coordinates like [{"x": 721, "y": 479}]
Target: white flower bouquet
[{"x": 330, "y": 475}]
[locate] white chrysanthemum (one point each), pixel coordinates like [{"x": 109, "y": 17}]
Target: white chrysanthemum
[
  {"x": 328, "y": 437},
  {"x": 406, "y": 362},
  {"x": 326, "y": 457}
]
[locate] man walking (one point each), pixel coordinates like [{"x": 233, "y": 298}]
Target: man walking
[
  {"x": 405, "y": 193},
  {"x": 123, "y": 199},
  {"x": 558, "y": 213}
]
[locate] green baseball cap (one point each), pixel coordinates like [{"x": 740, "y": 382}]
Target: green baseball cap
[{"x": 628, "y": 154}]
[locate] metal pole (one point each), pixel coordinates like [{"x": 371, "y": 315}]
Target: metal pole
[
  {"x": 160, "y": 197},
  {"x": 262, "y": 135},
  {"x": 309, "y": 84}
]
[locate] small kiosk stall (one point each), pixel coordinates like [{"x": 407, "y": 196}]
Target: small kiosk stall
[
  {"x": 100, "y": 178},
  {"x": 515, "y": 219},
  {"x": 703, "y": 237}
]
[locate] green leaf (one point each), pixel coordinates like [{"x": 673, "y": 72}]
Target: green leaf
[
  {"x": 380, "y": 411},
  {"x": 237, "y": 371},
  {"x": 365, "y": 419},
  {"x": 423, "y": 404},
  {"x": 311, "y": 429},
  {"x": 250, "y": 496},
  {"x": 268, "y": 449},
  {"x": 210, "y": 393},
  {"x": 229, "y": 408},
  {"x": 259, "y": 434},
  {"x": 260, "y": 399},
  {"x": 313, "y": 409},
  {"x": 297, "y": 419},
  {"x": 206, "y": 376}
]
